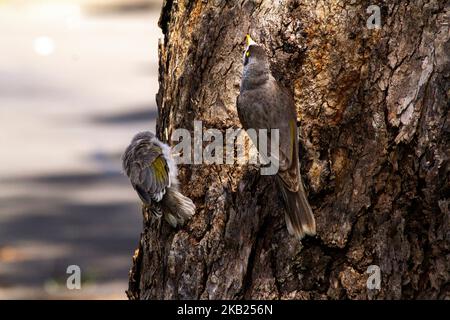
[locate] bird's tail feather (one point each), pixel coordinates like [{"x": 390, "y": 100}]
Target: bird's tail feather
[
  {"x": 299, "y": 216},
  {"x": 180, "y": 208}
]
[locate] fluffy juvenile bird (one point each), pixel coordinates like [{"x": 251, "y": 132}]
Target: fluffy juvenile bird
[
  {"x": 152, "y": 171},
  {"x": 264, "y": 104}
]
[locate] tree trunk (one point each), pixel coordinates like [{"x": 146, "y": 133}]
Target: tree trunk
[{"x": 374, "y": 146}]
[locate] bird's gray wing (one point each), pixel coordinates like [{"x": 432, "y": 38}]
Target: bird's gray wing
[
  {"x": 272, "y": 107},
  {"x": 149, "y": 172},
  {"x": 289, "y": 171},
  {"x": 240, "y": 104}
]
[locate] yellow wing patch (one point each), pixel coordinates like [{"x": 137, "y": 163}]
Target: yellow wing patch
[
  {"x": 159, "y": 169},
  {"x": 292, "y": 127}
]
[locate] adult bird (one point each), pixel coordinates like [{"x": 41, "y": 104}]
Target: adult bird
[
  {"x": 265, "y": 104},
  {"x": 149, "y": 165}
]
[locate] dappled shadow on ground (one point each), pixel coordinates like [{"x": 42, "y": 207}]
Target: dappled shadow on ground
[
  {"x": 148, "y": 114},
  {"x": 89, "y": 218},
  {"x": 63, "y": 199},
  {"x": 50, "y": 231}
]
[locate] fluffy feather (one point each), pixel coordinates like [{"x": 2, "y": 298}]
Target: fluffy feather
[{"x": 152, "y": 171}]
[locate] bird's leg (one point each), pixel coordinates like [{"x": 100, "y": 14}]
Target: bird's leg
[
  {"x": 150, "y": 210},
  {"x": 146, "y": 211}
]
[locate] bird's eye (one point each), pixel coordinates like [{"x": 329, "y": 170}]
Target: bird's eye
[{"x": 246, "y": 56}]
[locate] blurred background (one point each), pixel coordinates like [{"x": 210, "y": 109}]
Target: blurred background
[{"x": 77, "y": 80}]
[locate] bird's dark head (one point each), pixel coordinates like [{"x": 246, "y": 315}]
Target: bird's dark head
[
  {"x": 146, "y": 135},
  {"x": 256, "y": 63},
  {"x": 254, "y": 53}
]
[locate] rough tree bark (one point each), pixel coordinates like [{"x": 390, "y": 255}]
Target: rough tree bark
[{"x": 374, "y": 146}]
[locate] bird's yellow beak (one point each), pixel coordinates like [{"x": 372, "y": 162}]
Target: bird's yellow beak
[{"x": 249, "y": 40}]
